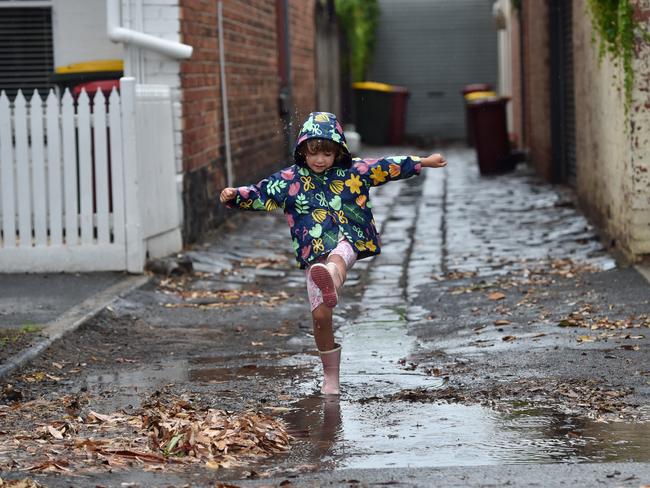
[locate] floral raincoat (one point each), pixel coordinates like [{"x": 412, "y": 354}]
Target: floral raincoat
[{"x": 321, "y": 207}]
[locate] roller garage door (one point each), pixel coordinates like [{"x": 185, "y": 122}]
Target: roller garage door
[{"x": 434, "y": 48}]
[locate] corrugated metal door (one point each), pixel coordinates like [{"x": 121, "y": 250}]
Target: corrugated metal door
[
  {"x": 434, "y": 48},
  {"x": 562, "y": 91}
]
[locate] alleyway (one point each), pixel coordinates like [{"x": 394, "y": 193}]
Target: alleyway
[{"x": 493, "y": 331}]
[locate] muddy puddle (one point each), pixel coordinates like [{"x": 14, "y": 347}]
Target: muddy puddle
[{"x": 344, "y": 434}]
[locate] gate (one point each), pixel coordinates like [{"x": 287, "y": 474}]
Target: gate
[
  {"x": 76, "y": 180},
  {"x": 562, "y": 94}
]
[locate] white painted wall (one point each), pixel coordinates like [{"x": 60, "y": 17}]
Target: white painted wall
[
  {"x": 159, "y": 18},
  {"x": 80, "y": 34},
  {"x": 79, "y": 31}
]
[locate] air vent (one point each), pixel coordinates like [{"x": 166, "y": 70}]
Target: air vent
[{"x": 26, "y": 54}]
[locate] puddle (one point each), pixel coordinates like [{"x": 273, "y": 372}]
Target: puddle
[
  {"x": 343, "y": 434},
  {"x": 129, "y": 387}
]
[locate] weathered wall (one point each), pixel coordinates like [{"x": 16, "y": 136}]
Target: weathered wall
[
  {"x": 602, "y": 147},
  {"x": 253, "y": 82},
  {"x": 640, "y": 142},
  {"x": 613, "y": 149},
  {"x": 79, "y": 32},
  {"x": 516, "y": 102},
  {"x": 537, "y": 87}
]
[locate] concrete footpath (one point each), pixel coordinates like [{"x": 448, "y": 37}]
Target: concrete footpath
[
  {"x": 493, "y": 342},
  {"x": 37, "y": 309}
]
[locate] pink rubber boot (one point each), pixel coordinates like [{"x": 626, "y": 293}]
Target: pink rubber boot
[{"x": 331, "y": 365}]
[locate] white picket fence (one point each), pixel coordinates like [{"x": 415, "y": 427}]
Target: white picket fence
[{"x": 80, "y": 181}]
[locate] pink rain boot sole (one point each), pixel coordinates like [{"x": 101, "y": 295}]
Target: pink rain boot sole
[{"x": 323, "y": 280}]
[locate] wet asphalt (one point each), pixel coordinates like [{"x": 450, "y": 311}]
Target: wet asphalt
[{"x": 455, "y": 368}]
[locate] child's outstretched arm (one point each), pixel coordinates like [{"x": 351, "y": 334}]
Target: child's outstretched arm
[
  {"x": 434, "y": 161},
  {"x": 268, "y": 194},
  {"x": 376, "y": 172}
]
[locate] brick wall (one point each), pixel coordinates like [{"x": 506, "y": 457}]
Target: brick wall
[
  {"x": 537, "y": 87},
  {"x": 253, "y": 82}
]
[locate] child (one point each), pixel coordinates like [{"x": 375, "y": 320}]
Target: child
[{"x": 325, "y": 196}]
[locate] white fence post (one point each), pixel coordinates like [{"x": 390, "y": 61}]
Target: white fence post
[
  {"x": 38, "y": 170},
  {"x": 54, "y": 169},
  {"x": 134, "y": 241},
  {"x": 22, "y": 173},
  {"x": 7, "y": 181},
  {"x": 69, "y": 143}
]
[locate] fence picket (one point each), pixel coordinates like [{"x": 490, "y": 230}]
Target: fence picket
[
  {"x": 8, "y": 209},
  {"x": 69, "y": 169},
  {"x": 117, "y": 166},
  {"x": 101, "y": 168},
  {"x": 54, "y": 170},
  {"x": 72, "y": 187},
  {"x": 85, "y": 168},
  {"x": 38, "y": 169},
  {"x": 22, "y": 172}
]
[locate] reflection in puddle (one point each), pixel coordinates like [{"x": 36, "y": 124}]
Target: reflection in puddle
[
  {"x": 333, "y": 433},
  {"x": 129, "y": 387}
]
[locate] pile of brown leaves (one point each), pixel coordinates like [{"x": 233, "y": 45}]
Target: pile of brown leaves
[
  {"x": 205, "y": 299},
  {"x": 158, "y": 437},
  {"x": 216, "y": 437},
  {"x": 24, "y": 483},
  {"x": 584, "y": 317},
  {"x": 523, "y": 273},
  {"x": 583, "y": 397}
]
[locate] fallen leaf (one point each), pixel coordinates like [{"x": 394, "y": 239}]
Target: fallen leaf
[
  {"x": 630, "y": 347},
  {"x": 253, "y": 343},
  {"x": 497, "y": 295},
  {"x": 501, "y": 322},
  {"x": 586, "y": 338},
  {"x": 509, "y": 338},
  {"x": 54, "y": 433}
]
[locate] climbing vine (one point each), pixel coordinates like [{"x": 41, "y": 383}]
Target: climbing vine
[
  {"x": 616, "y": 29},
  {"x": 359, "y": 19}
]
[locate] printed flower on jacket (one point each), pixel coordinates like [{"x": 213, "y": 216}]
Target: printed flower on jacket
[
  {"x": 287, "y": 174},
  {"x": 294, "y": 188},
  {"x": 394, "y": 170},
  {"x": 378, "y": 175},
  {"x": 336, "y": 186},
  {"x": 354, "y": 183},
  {"x": 361, "y": 167}
]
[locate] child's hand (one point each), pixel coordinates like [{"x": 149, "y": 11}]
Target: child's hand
[
  {"x": 434, "y": 161},
  {"x": 227, "y": 194}
]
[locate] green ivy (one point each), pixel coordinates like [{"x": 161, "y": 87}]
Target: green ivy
[
  {"x": 617, "y": 30},
  {"x": 516, "y": 4},
  {"x": 359, "y": 19}
]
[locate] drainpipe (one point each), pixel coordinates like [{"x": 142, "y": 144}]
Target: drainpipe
[
  {"x": 285, "y": 97},
  {"x": 224, "y": 99},
  {"x": 117, "y": 33}
]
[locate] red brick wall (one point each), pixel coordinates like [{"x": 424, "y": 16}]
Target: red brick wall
[
  {"x": 303, "y": 57},
  {"x": 253, "y": 82},
  {"x": 537, "y": 86}
]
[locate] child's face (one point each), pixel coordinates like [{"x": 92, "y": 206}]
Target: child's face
[{"x": 319, "y": 161}]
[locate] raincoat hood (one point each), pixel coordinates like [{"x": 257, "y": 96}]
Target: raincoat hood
[{"x": 323, "y": 125}]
